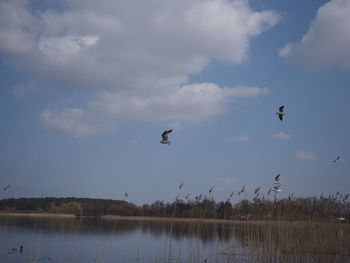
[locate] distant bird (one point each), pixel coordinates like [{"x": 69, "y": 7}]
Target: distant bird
[
  {"x": 126, "y": 194},
  {"x": 269, "y": 192},
  {"x": 181, "y": 186},
  {"x": 7, "y": 187},
  {"x": 211, "y": 189},
  {"x": 280, "y": 112},
  {"x": 165, "y": 137},
  {"x": 277, "y": 178},
  {"x": 277, "y": 187},
  {"x": 337, "y": 159}
]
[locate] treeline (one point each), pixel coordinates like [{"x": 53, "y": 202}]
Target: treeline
[
  {"x": 334, "y": 207},
  {"x": 68, "y": 205}
]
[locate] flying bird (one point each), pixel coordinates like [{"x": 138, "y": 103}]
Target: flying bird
[
  {"x": 211, "y": 189},
  {"x": 165, "y": 137},
  {"x": 280, "y": 112},
  {"x": 277, "y": 187},
  {"x": 126, "y": 194},
  {"x": 277, "y": 178},
  {"x": 7, "y": 187},
  {"x": 337, "y": 159},
  {"x": 181, "y": 185}
]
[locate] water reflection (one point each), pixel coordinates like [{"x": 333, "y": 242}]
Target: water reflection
[{"x": 190, "y": 241}]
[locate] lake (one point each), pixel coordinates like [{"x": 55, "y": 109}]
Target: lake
[{"x": 69, "y": 239}]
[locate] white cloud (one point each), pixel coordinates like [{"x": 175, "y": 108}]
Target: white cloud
[
  {"x": 63, "y": 49},
  {"x": 327, "y": 41},
  {"x": 192, "y": 102},
  {"x": 282, "y": 135},
  {"x": 305, "y": 156},
  {"x": 227, "y": 180},
  {"x": 240, "y": 138},
  {"x": 74, "y": 121},
  {"x": 136, "y": 56}
]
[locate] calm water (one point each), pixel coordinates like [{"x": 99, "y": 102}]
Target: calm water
[{"x": 49, "y": 239}]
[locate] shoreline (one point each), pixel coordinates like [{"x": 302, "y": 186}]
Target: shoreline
[
  {"x": 164, "y": 219},
  {"x": 36, "y": 214}
]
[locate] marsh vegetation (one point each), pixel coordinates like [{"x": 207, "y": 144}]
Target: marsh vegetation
[{"x": 321, "y": 208}]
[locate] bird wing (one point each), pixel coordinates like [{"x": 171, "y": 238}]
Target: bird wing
[
  {"x": 165, "y": 136},
  {"x": 280, "y": 116},
  {"x": 281, "y": 108}
]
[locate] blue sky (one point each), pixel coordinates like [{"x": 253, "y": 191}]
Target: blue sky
[{"x": 87, "y": 90}]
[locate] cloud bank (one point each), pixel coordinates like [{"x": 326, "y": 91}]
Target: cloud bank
[
  {"x": 327, "y": 41},
  {"x": 135, "y": 56}
]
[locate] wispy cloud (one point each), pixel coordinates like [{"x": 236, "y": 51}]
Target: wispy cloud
[
  {"x": 239, "y": 138},
  {"x": 189, "y": 103},
  {"x": 227, "y": 180},
  {"x": 305, "y": 156},
  {"x": 281, "y": 135}
]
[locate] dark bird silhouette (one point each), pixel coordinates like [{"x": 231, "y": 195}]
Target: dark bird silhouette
[
  {"x": 211, "y": 189},
  {"x": 277, "y": 178},
  {"x": 277, "y": 184},
  {"x": 181, "y": 185},
  {"x": 337, "y": 159},
  {"x": 280, "y": 113},
  {"x": 165, "y": 139},
  {"x": 7, "y": 187},
  {"x": 126, "y": 194}
]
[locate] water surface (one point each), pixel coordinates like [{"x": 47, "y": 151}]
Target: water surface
[{"x": 59, "y": 239}]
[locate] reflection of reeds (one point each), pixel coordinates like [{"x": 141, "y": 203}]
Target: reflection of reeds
[{"x": 216, "y": 241}]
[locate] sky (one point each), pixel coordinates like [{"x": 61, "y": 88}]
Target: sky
[{"x": 87, "y": 88}]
